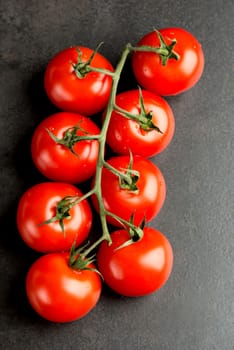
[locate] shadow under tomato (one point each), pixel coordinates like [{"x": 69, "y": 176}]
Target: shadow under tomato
[
  {"x": 39, "y": 104},
  {"x": 23, "y": 163}
]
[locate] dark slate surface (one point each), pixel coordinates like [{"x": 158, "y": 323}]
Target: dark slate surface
[{"x": 195, "y": 310}]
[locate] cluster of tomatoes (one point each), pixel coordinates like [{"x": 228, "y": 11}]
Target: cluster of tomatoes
[{"x": 127, "y": 190}]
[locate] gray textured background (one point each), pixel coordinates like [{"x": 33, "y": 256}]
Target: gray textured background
[{"x": 195, "y": 310}]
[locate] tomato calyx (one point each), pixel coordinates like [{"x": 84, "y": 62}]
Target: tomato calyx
[
  {"x": 169, "y": 52},
  {"x": 144, "y": 118},
  {"x": 79, "y": 261},
  {"x": 128, "y": 178},
  {"x": 63, "y": 211},
  {"x": 165, "y": 51},
  {"x": 70, "y": 137},
  {"x": 136, "y": 232},
  {"x": 82, "y": 68}
]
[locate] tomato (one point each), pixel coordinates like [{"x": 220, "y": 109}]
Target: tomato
[
  {"x": 138, "y": 269},
  {"x": 141, "y": 136},
  {"x": 144, "y": 200},
  {"x": 176, "y": 76},
  {"x": 39, "y": 204},
  {"x": 72, "y": 162},
  {"x": 59, "y": 293},
  {"x": 87, "y": 95}
]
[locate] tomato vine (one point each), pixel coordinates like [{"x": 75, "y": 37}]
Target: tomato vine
[{"x": 130, "y": 177}]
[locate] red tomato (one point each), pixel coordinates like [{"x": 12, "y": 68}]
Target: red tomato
[
  {"x": 55, "y": 160},
  {"x": 138, "y": 269},
  {"x": 145, "y": 202},
  {"x": 125, "y": 134},
  {"x": 175, "y": 76},
  {"x": 38, "y": 204},
  {"x": 59, "y": 293},
  {"x": 87, "y": 95}
]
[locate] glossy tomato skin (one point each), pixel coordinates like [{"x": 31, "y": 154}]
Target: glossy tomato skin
[
  {"x": 56, "y": 161},
  {"x": 138, "y": 269},
  {"x": 38, "y": 204},
  {"x": 125, "y": 134},
  {"x": 144, "y": 203},
  {"x": 176, "y": 76},
  {"x": 88, "y": 95},
  {"x": 59, "y": 293}
]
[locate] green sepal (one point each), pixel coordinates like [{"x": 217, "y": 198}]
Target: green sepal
[
  {"x": 62, "y": 211},
  {"x": 70, "y": 137},
  {"x": 136, "y": 233},
  {"x": 167, "y": 51},
  {"x": 129, "y": 181},
  {"x": 145, "y": 119},
  {"x": 82, "y": 68},
  {"x": 127, "y": 177},
  {"x": 78, "y": 260}
]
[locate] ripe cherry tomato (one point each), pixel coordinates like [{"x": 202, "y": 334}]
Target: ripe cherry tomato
[
  {"x": 59, "y": 293},
  {"x": 144, "y": 200},
  {"x": 41, "y": 203},
  {"x": 138, "y": 269},
  {"x": 66, "y": 159},
  {"x": 175, "y": 76},
  {"x": 141, "y": 136},
  {"x": 85, "y": 95}
]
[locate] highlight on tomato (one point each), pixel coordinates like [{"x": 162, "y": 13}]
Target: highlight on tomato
[
  {"x": 50, "y": 217},
  {"x": 64, "y": 147},
  {"x": 139, "y": 268},
  {"x": 142, "y": 122},
  {"x": 131, "y": 187},
  {"x": 73, "y": 80},
  {"x": 59, "y": 292},
  {"x": 179, "y": 66}
]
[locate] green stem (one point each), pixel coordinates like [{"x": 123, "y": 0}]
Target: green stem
[
  {"x": 124, "y": 222},
  {"x": 166, "y": 52},
  {"x": 101, "y": 70},
  {"x": 143, "y": 119},
  {"x": 97, "y": 189},
  {"x": 145, "y": 48},
  {"x": 126, "y": 114},
  {"x": 139, "y": 118},
  {"x": 95, "y": 245},
  {"x": 127, "y": 177},
  {"x": 102, "y": 141}
]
